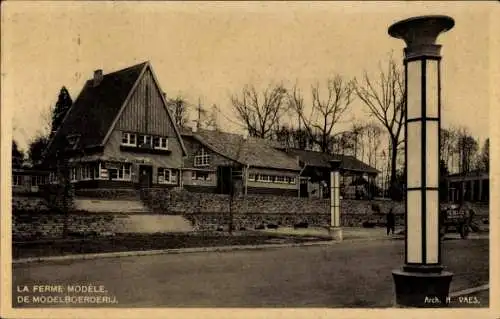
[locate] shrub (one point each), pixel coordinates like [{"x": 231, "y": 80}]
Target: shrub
[
  {"x": 368, "y": 224},
  {"x": 301, "y": 225},
  {"x": 57, "y": 196}
]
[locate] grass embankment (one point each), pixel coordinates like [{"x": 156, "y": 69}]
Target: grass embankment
[{"x": 154, "y": 241}]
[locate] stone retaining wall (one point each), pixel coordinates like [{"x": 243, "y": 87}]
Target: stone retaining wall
[
  {"x": 180, "y": 202},
  {"x": 32, "y": 217},
  {"x": 28, "y": 225}
]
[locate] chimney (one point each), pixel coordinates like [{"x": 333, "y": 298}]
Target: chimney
[{"x": 97, "y": 77}]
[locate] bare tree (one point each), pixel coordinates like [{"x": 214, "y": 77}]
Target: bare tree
[
  {"x": 179, "y": 108},
  {"x": 467, "y": 148},
  {"x": 484, "y": 158},
  {"x": 386, "y": 103},
  {"x": 373, "y": 135},
  {"x": 260, "y": 113},
  {"x": 448, "y": 145},
  {"x": 211, "y": 121},
  {"x": 36, "y": 148},
  {"x": 17, "y": 155},
  {"x": 345, "y": 143},
  {"x": 356, "y": 135},
  {"x": 46, "y": 121},
  {"x": 325, "y": 112}
]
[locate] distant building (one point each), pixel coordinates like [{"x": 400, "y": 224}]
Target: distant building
[
  {"x": 27, "y": 180},
  {"x": 471, "y": 186},
  {"x": 119, "y": 133}
]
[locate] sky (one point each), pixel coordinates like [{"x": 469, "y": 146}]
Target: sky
[{"x": 210, "y": 50}]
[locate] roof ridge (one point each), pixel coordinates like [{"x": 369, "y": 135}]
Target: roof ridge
[{"x": 127, "y": 68}]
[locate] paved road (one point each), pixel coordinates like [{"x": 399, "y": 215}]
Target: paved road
[{"x": 356, "y": 274}]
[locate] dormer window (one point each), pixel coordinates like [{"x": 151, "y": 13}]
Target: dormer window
[
  {"x": 144, "y": 143},
  {"x": 72, "y": 140},
  {"x": 202, "y": 159},
  {"x": 129, "y": 139}
]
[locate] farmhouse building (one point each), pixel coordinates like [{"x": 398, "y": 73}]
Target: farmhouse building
[{"x": 119, "y": 133}]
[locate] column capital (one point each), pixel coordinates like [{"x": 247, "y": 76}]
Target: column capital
[
  {"x": 421, "y": 51},
  {"x": 420, "y": 34}
]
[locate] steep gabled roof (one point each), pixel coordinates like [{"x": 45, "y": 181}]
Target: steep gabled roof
[
  {"x": 251, "y": 151},
  {"x": 94, "y": 113},
  {"x": 322, "y": 160}
]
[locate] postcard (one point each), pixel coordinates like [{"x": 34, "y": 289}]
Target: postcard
[{"x": 248, "y": 159}]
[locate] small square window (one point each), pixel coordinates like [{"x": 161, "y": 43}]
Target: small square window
[
  {"x": 129, "y": 139},
  {"x": 200, "y": 176}
]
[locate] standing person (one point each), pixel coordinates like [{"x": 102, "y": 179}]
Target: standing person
[{"x": 390, "y": 221}]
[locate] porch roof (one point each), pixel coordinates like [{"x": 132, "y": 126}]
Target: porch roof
[{"x": 322, "y": 161}]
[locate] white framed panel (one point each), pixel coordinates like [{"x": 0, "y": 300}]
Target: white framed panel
[
  {"x": 414, "y": 154},
  {"x": 431, "y": 88},
  {"x": 432, "y": 226},
  {"x": 432, "y": 154},
  {"x": 332, "y": 185},
  {"x": 333, "y": 200},
  {"x": 414, "y": 226},
  {"x": 337, "y": 206},
  {"x": 414, "y": 89}
]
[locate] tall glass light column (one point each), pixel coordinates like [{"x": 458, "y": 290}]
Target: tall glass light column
[
  {"x": 335, "y": 229},
  {"x": 422, "y": 282}
]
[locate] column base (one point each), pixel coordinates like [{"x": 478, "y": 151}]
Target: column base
[
  {"x": 422, "y": 286},
  {"x": 336, "y": 233}
]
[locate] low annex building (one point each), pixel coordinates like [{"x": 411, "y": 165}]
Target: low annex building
[{"x": 218, "y": 159}]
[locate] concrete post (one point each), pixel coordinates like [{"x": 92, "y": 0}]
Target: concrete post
[
  {"x": 422, "y": 281},
  {"x": 335, "y": 228}
]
